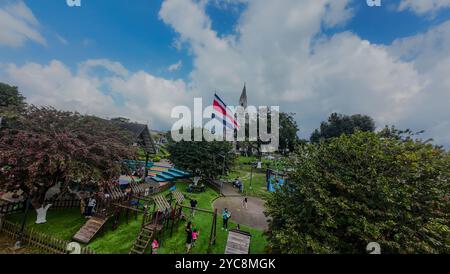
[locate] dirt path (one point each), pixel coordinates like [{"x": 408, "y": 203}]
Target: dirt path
[{"x": 253, "y": 216}]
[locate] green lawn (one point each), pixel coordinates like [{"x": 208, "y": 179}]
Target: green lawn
[
  {"x": 202, "y": 222},
  {"x": 63, "y": 224},
  {"x": 254, "y": 184}
]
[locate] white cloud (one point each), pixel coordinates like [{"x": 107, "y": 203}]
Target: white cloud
[
  {"x": 282, "y": 54},
  {"x": 424, "y": 6},
  {"x": 114, "y": 67},
  {"x": 176, "y": 66},
  {"x": 139, "y": 96},
  {"x": 18, "y": 24},
  {"x": 429, "y": 53},
  {"x": 62, "y": 40}
]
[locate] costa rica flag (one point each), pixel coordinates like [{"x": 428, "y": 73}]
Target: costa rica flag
[{"x": 223, "y": 114}]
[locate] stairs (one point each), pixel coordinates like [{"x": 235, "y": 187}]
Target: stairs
[
  {"x": 142, "y": 241},
  {"x": 90, "y": 229}
]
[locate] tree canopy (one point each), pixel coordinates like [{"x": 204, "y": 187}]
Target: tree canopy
[
  {"x": 288, "y": 132},
  {"x": 11, "y": 97},
  {"x": 206, "y": 159},
  {"x": 48, "y": 146},
  {"x": 363, "y": 188},
  {"x": 12, "y": 103},
  {"x": 339, "y": 124}
]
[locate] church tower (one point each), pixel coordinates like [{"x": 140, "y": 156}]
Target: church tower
[{"x": 243, "y": 99}]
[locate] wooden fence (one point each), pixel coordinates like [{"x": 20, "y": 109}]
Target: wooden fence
[
  {"x": 64, "y": 203},
  {"x": 18, "y": 207},
  {"x": 10, "y": 208},
  {"x": 41, "y": 241}
]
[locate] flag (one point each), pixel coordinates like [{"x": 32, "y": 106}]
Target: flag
[{"x": 223, "y": 113}]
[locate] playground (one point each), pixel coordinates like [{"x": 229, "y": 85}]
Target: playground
[
  {"x": 136, "y": 209},
  {"x": 65, "y": 223}
]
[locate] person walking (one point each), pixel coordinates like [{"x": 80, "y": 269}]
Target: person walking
[
  {"x": 188, "y": 231},
  {"x": 195, "y": 234},
  {"x": 245, "y": 203},
  {"x": 225, "y": 217},
  {"x": 155, "y": 246},
  {"x": 193, "y": 206}
]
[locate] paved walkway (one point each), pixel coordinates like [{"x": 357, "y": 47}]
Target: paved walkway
[
  {"x": 253, "y": 216},
  {"x": 229, "y": 191}
]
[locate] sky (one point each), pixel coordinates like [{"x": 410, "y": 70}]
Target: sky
[{"x": 139, "y": 59}]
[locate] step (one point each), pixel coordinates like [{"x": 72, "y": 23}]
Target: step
[
  {"x": 146, "y": 236},
  {"x": 164, "y": 176},
  {"x": 159, "y": 179},
  {"x": 173, "y": 174},
  {"x": 140, "y": 247},
  {"x": 177, "y": 172},
  {"x": 180, "y": 171},
  {"x": 133, "y": 251}
]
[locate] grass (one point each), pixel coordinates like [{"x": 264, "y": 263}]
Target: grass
[
  {"x": 258, "y": 186},
  {"x": 61, "y": 223},
  {"x": 64, "y": 223},
  {"x": 118, "y": 241},
  {"x": 202, "y": 222}
]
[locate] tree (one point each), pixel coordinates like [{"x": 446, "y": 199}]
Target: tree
[
  {"x": 11, "y": 97},
  {"x": 288, "y": 132},
  {"x": 363, "y": 188},
  {"x": 12, "y": 103},
  {"x": 339, "y": 124},
  {"x": 205, "y": 159},
  {"x": 50, "y": 146}
]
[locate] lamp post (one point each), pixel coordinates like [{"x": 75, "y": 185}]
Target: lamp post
[
  {"x": 223, "y": 170},
  {"x": 251, "y": 176}
]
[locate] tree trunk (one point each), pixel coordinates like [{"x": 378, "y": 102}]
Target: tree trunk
[
  {"x": 1, "y": 221},
  {"x": 42, "y": 214}
]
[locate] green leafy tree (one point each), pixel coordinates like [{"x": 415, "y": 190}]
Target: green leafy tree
[
  {"x": 288, "y": 138},
  {"x": 12, "y": 103},
  {"x": 11, "y": 97},
  {"x": 288, "y": 132},
  {"x": 363, "y": 188},
  {"x": 48, "y": 146},
  {"x": 339, "y": 124},
  {"x": 205, "y": 159}
]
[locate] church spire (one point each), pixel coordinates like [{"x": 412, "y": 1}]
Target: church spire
[{"x": 243, "y": 99}]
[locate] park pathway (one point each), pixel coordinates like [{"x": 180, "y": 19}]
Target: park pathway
[{"x": 253, "y": 216}]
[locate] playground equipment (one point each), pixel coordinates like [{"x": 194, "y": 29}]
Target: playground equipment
[
  {"x": 111, "y": 204},
  {"x": 90, "y": 229},
  {"x": 238, "y": 242},
  {"x": 152, "y": 224},
  {"x": 274, "y": 180},
  {"x": 160, "y": 172}
]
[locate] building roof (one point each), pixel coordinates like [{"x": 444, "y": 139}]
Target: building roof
[{"x": 141, "y": 133}]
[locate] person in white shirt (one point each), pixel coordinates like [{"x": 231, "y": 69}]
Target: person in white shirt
[{"x": 91, "y": 205}]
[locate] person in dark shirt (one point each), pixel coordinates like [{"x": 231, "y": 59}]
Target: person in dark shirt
[
  {"x": 193, "y": 206},
  {"x": 245, "y": 202},
  {"x": 188, "y": 230}
]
